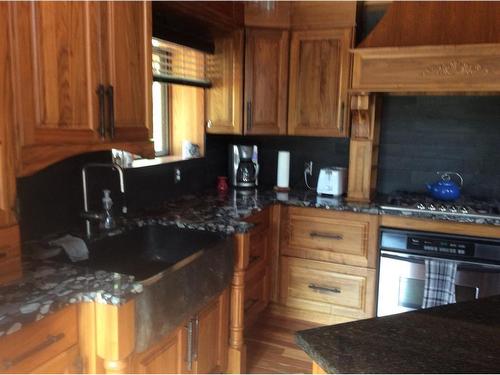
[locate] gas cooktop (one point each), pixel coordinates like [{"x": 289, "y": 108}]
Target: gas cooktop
[{"x": 417, "y": 202}]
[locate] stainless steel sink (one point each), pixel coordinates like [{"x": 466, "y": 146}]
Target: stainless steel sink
[
  {"x": 145, "y": 252},
  {"x": 181, "y": 271}
]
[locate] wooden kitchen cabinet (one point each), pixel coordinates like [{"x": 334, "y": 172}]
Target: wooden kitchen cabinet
[
  {"x": 63, "y": 53},
  {"x": 198, "y": 346},
  {"x": 341, "y": 237},
  {"x": 211, "y": 341},
  {"x": 266, "y": 81},
  {"x": 166, "y": 357},
  {"x": 42, "y": 346},
  {"x": 319, "y": 80},
  {"x": 128, "y": 67},
  {"x": 328, "y": 265},
  {"x": 7, "y": 138},
  {"x": 327, "y": 293},
  {"x": 224, "y": 100}
]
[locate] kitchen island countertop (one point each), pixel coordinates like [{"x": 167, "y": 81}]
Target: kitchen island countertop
[{"x": 457, "y": 338}]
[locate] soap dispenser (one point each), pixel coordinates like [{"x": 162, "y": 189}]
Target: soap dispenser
[{"x": 107, "y": 204}]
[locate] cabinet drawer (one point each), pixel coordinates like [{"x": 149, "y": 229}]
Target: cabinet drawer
[
  {"x": 68, "y": 362},
  {"x": 327, "y": 288},
  {"x": 39, "y": 342},
  {"x": 340, "y": 237}
]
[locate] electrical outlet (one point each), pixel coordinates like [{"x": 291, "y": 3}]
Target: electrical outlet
[
  {"x": 177, "y": 175},
  {"x": 308, "y": 168}
]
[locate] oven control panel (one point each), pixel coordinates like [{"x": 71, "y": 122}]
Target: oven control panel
[{"x": 441, "y": 246}]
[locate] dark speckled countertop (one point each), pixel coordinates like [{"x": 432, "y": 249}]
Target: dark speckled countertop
[
  {"x": 48, "y": 286},
  {"x": 458, "y": 338}
]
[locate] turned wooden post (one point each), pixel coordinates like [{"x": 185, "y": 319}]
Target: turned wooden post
[
  {"x": 237, "y": 347},
  {"x": 115, "y": 331}
]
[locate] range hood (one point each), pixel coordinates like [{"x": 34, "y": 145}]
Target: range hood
[{"x": 431, "y": 47}]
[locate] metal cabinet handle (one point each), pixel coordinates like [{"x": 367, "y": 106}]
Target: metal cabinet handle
[
  {"x": 331, "y": 236},
  {"x": 249, "y": 116},
  {"x": 209, "y": 124},
  {"x": 102, "y": 118},
  {"x": 51, "y": 339},
  {"x": 341, "y": 117},
  {"x": 190, "y": 345},
  {"x": 196, "y": 338},
  {"x": 324, "y": 289},
  {"x": 111, "y": 104}
]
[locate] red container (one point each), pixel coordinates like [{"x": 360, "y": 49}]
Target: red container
[{"x": 222, "y": 186}]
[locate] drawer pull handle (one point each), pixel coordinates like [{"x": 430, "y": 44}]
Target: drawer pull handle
[
  {"x": 51, "y": 339},
  {"x": 324, "y": 289},
  {"x": 331, "y": 236}
]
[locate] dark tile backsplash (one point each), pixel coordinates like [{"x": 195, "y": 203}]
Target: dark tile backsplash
[
  {"x": 419, "y": 136},
  {"x": 321, "y": 151},
  {"x": 424, "y": 134}
]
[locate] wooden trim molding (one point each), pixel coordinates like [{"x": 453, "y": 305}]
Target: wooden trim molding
[
  {"x": 363, "y": 150},
  {"x": 460, "y": 68}
]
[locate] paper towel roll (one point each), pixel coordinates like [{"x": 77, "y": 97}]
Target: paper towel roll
[{"x": 283, "y": 169}]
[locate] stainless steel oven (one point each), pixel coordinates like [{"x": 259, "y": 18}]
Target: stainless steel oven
[{"x": 403, "y": 256}]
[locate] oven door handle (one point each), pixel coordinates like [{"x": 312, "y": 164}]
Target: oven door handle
[{"x": 422, "y": 258}]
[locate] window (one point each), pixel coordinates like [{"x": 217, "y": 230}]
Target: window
[{"x": 179, "y": 78}]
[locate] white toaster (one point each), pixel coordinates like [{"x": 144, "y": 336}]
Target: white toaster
[{"x": 332, "y": 181}]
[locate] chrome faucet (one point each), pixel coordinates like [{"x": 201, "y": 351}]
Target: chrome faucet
[{"x": 101, "y": 217}]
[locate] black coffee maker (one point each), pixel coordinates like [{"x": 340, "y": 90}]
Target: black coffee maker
[{"x": 243, "y": 166}]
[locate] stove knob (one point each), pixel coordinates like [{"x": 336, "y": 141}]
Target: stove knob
[
  {"x": 420, "y": 206},
  {"x": 464, "y": 210},
  {"x": 431, "y": 207},
  {"x": 442, "y": 208},
  {"x": 453, "y": 209}
]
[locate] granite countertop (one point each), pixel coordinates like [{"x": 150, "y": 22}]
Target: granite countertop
[
  {"x": 457, "y": 338},
  {"x": 46, "y": 287}
]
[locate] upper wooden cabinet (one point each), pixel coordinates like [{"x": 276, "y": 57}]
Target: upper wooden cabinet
[
  {"x": 223, "y": 102},
  {"x": 266, "y": 81},
  {"x": 129, "y": 67},
  {"x": 82, "y": 77},
  {"x": 319, "y": 79}
]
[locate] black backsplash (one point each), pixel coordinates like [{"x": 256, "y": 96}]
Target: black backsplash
[
  {"x": 424, "y": 134},
  {"x": 419, "y": 136},
  {"x": 321, "y": 151}
]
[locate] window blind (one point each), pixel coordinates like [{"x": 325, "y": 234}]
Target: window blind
[{"x": 173, "y": 63}]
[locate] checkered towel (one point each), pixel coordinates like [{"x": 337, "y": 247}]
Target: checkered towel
[{"x": 439, "y": 283}]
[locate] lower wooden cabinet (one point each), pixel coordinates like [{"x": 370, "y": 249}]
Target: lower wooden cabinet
[
  {"x": 198, "y": 346},
  {"x": 327, "y": 265},
  {"x": 44, "y": 346},
  {"x": 166, "y": 357},
  {"x": 68, "y": 362},
  {"x": 327, "y": 293}
]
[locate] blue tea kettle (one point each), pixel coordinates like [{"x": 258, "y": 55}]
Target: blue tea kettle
[{"x": 445, "y": 189}]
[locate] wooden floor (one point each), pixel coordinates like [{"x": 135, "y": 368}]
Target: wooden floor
[{"x": 271, "y": 348}]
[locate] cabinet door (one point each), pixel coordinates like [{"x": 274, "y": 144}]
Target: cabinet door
[
  {"x": 7, "y": 143},
  {"x": 319, "y": 79},
  {"x": 56, "y": 71},
  {"x": 166, "y": 357},
  {"x": 212, "y": 337},
  {"x": 128, "y": 69},
  {"x": 223, "y": 101},
  {"x": 266, "y": 81},
  {"x": 68, "y": 362}
]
